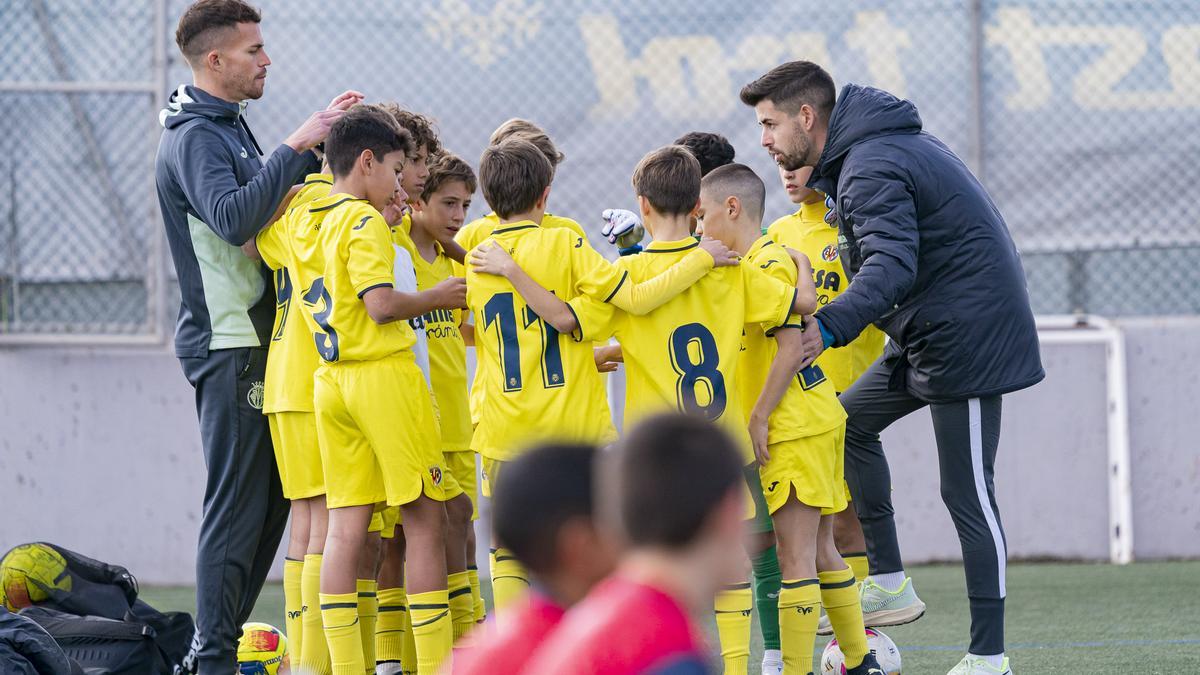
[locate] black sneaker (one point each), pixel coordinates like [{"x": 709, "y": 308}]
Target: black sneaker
[{"x": 869, "y": 666}]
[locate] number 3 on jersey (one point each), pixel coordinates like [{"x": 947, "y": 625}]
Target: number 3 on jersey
[
  {"x": 500, "y": 311},
  {"x": 695, "y": 359},
  {"x": 327, "y": 342}
]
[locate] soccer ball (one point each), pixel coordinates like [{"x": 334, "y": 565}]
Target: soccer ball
[
  {"x": 885, "y": 651},
  {"x": 28, "y": 572},
  {"x": 262, "y": 650}
]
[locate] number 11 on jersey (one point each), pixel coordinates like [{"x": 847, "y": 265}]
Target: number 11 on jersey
[{"x": 501, "y": 312}]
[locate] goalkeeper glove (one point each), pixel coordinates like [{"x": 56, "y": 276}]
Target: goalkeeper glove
[{"x": 623, "y": 228}]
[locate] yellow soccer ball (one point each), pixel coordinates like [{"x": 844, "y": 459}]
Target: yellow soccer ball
[
  {"x": 262, "y": 650},
  {"x": 28, "y": 571}
]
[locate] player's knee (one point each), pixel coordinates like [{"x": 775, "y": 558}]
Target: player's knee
[{"x": 458, "y": 511}]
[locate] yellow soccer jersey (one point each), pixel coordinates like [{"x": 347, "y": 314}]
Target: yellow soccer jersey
[
  {"x": 475, "y": 232},
  {"x": 807, "y": 232},
  {"x": 291, "y": 359},
  {"x": 534, "y": 382},
  {"x": 810, "y": 406},
  {"x": 685, "y": 354},
  {"x": 340, "y": 247},
  {"x": 447, "y": 356}
]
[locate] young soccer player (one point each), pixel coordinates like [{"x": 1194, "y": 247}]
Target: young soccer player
[
  {"x": 540, "y": 380},
  {"x": 684, "y": 355},
  {"x": 544, "y": 513},
  {"x": 797, "y": 427},
  {"x": 438, "y": 213},
  {"x": 288, "y": 403},
  {"x": 643, "y": 618},
  {"x": 394, "y": 646},
  {"x": 807, "y": 231},
  {"x": 341, "y": 249}
]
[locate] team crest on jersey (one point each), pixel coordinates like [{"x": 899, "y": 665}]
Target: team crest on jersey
[
  {"x": 255, "y": 396},
  {"x": 830, "y": 253},
  {"x": 435, "y": 472}
]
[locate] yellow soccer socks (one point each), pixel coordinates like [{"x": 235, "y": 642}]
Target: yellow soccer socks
[
  {"x": 340, "y": 614},
  {"x": 509, "y": 580},
  {"x": 432, "y": 629},
  {"x": 390, "y": 627},
  {"x": 839, "y": 595},
  {"x": 799, "y": 611},
  {"x": 733, "y": 607},
  {"x": 476, "y": 595},
  {"x": 293, "y": 605},
  {"x": 858, "y": 565},
  {"x": 368, "y": 610},
  {"x": 315, "y": 655},
  {"x": 462, "y": 607}
]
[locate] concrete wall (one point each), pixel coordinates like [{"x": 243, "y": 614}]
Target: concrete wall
[{"x": 99, "y": 452}]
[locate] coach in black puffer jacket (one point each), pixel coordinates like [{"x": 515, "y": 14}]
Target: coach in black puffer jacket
[
  {"x": 932, "y": 264},
  {"x": 939, "y": 272}
]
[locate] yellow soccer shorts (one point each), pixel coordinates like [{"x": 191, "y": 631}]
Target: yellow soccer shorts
[
  {"x": 297, "y": 453},
  {"x": 491, "y": 473},
  {"x": 460, "y": 464},
  {"x": 384, "y": 521},
  {"x": 374, "y": 426},
  {"x": 812, "y": 467}
]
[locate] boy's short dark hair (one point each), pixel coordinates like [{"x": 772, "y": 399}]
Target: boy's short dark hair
[
  {"x": 536, "y": 494},
  {"x": 737, "y": 180},
  {"x": 663, "y": 481},
  {"x": 363, "y": 127},
  {"x": 521, "y": 128},
  {"x": 670, "y": 178},
  {"x": 513, "y": 174},
  {"x": 445, "y": 168},
  {"x": 422, "y": 128},
  {"x": 203, "y": 20},
  {"x": 791, "y": 85},
  {"x": 711, "y": 150}
]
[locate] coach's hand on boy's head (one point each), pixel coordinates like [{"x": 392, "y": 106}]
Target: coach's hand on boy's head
[
  {"x": 721, "y": 255},
  {"x": 316, "y": 127},
  {"x": 491, "y": 258}
]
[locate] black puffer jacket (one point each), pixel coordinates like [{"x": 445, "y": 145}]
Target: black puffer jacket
[{"x": 932, "y": 261}]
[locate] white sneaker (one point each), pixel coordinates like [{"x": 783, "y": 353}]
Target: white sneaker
[
  {"x": 772, "y": 662},
  {"x": 975, "y": 665},
  {"x": 388, "y": 668},
  {"x": 882, "y": 607}
]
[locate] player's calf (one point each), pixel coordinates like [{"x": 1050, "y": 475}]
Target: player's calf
[{"x": 424, "y": 523}]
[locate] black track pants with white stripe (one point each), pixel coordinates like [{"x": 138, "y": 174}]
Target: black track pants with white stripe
[{"x": 967, "y": 434}]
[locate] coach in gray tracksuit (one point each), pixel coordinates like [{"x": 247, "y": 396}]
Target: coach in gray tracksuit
[
  {"x": 934, "y": 267},
  {"x": 216, "y": 193}
]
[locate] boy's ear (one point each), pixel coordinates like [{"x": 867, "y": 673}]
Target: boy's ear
[
  {"x": 645, "y": 208},
  {"x": 695, "y": 209},
  {"x": 734, "y": 206},
  {"x": 541, "y": 203},
  {"x": 418, "y": 204},
  {"x": 366, "y": 161}
]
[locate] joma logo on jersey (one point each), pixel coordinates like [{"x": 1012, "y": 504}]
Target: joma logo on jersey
[{"x": 827, "y": 280}]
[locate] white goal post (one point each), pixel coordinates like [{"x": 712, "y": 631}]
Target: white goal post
[{"x": 1089, "y": 329}]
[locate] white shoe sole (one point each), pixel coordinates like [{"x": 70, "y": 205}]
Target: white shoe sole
[{"x": 895, "y": 617}]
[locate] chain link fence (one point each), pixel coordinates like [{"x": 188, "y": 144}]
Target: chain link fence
[{"x": 1080, "y": 118}]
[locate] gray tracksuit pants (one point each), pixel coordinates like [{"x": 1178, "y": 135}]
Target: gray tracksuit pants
[
  {"x": 967, "y": 434},
  {"x": 244, "y": 510}
]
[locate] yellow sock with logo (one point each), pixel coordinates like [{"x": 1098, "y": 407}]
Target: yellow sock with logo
[
  {"x": 315, "y": 655},
  {"x": 733, "y": 607},
  {"x": 476, "y": 596},
  {"x": 799, "y": 612},
  {"x": 462, "y": 609},
  {"x": 510, "y": 583},
  {"x": 839, "y": 595},
  {"x": 432, "y": 630},
  {"x": 389, "y": 626},
  {"x": 340, "y": 613},
  {"x": 858, "y": 565},
  {"x": 293, "y": 605},
  {"x": 368, "y": 610}
]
